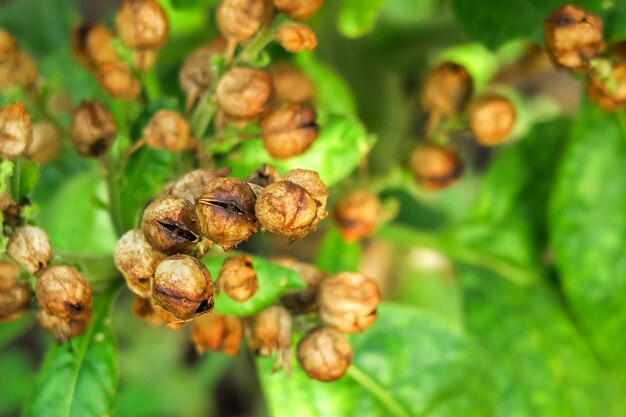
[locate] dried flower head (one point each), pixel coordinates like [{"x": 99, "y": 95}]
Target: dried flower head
[
  {"x": 435, "y": 166},
  {"x": 142, "y": 24},
  {"x": 137, "y": 261},
  {"x": 14, "y": 295},
  {"x": 168, "y": 130},
  {"x": 46, "y": 144},
  {"x": 447, "y": 89},
  {"x": 170, "y": 225},
  {"x": 244, "y": 92},
  {"x": 357, "y": 214},
  {"x": 296, "y": 38},
  {"x": 16, "y": 133},
  {"x": 324, "y": 354},
  {"x": 238, "y": 279},
  {"x": 93, "y": 129},
  {"x": 214, "y": 332},
  {"x": 289, "y": 130},
  {"x": 29, "y": 246}
]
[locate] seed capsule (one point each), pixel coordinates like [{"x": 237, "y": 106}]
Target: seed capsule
[
  {"x": 607, "y": 98},
  {"x": 18, "y": 69},
  {"x": 16, "y": 133},
  {"x": 289, "y": 130},
  {"x": 46, "y": 144},
  {"x": 93, "y": 129},
  {"x": 143, "y": 309},
  {"x": 225, "y": 210},
  {"x": 298, "y": 9},
  {"x": 191, "y": 184},
  {"x": 91, "y": 45},
  {"x": 116, "y": 79},
  {"x": 264, "y": 176},
  {"x": 239, "y": 20},
  {"x": 167, "y": 130},
  {"x": 447, "y": 89},
  {"x": 244, "y": 92},
  {"x": 214, "y": 332},
  {"x": 196, "y": 74},
  {"x": 142, "y": 24},
  {"x": 169, "y": 224},
  {"x": 301, "y": 301},
  {"x": 492, "y": 119},
  {"x": 65, "y": 301},
  {"x": 271, "y": 331},
  {"x": 238, "y": 278},
  {"x": 183, "y": 286},
  {"x": 291, "y": 85},
  {"x": 348, "y": 302},
  {"x": 311, "y": 181},
  {"x": 137, "y": 261},
  {"x": 324, "y": 354},
  {"x": 30, "y": 247},
  {"x": 573, "y": 37},
  {"x": 8, "y": 45},
  {"x": 435, "y": 166},
  {"x": 296, "y": 38},
  {"x": 14, "y": 295},
  {"x": 357, "y": 214}
]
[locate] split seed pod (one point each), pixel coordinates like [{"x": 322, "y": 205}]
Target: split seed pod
[
  {"x": 324, "y": 354},
  {"x": 46, "y": 144},
  {"x": 29, "y": 246},
  {"x": 609, "y": 99},
  {"x": 238, "y": 278},
  {"x": 264, "y": 176},
  {"x": 93, "y": 129},
  {"x": 357, "y": 214},
  {"x": 214, "y": 332},
  {"x": 447, "y": 89},
  {"x": 14, "y": 295},
  {"x": 271, "y": 331},
  {"x": 291, "y": 85},
  {"x": 239, "y": 20},
  {"x": 191, "y": 184},
  {"x": 170, "y": 225},
  {"x": 296, "y": 38},
  {"x": 137, "y": 261},
  {"x": 435, "y": 166},
  {"x": 244, "y": 92},
  {"x": 167, "y": 130},
  {"x": 298, "y": 9},
  {"x": 492, "y": 119},
  {"x": 142, "y": 24},
  {"x": 16, "y": 133},
  {"x": 289, "y": 130},
  {"x": 311, "y": 181},
  {"x": 117, "y": 80}
]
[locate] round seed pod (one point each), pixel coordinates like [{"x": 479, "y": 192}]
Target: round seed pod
[
  {"x": 116, "y": 79},
  {"x": 238, "y": 278},
  {"x": 264, "y": 176},
  {"x": 607, "y": 98},
  {"x": 290, "y": 84},
  {"x": 191, "y": 184},
  {"x": 65, "y": 301},
  {"x": 29, "y": 246},
  {"x": 16, "y": 133},
  {"x": 91, "y": 45},
  {"x": 93, "y": 129},
  {"x": 239, "y": 20},
  {"x": 300, "y": 10},
  {"x": 214, "y": 332},
  {"x": 492, "y": 119},
  {"x": 301, "y": 301},
  {"x": 18, "y": 69},
  {"x": 357, "y": 214},
  {"x": 142, "y": 24},
  {"x": 244, "y": 92},
  {"x": 324, "y": 354},
  {"x": 311, "y": 181},
  {"x": 167, "y": 130},
  {"x": 435, "y": 166},
  {"x": 196, "y": 74},
  {"x": 289, "y": 130},
  {"x": 170, "y": 226},
  {"x": 573, "y": 37},
  {"x": 8, "y": 45},
  {"x": 183, "y": 286},
  {"x": 447, "y": 89},
  {"x": 348, "y": 302},
  {"x": 14, "y": 295},
  {"x": 296, "y": 38},
  {"x": 137, "y": 261},
  {"x": 46, "y": 144},
  {"x": 143, "y": 309},
  {"x": 225, "y": 210},
  {"x": 271, "y": 331}
]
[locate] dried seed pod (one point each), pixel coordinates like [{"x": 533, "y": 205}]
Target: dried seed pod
[
  {"x": 238, "y": 278},
  {"x": 301, "y": 301},
  {"x": 142, "y": 24},
  {"x": 244, "y": 92},
  {"x": 601, "y": 93},
  {"x": 170, "y": 225},
  {"x": 137, "y": 261},
  {"x": 239, "y": 20},
  {"x": 46, "y": 144},
  {"x": 264, "y": 176},
  {"x": 8, "y": 45},
  {"x": 6, "y": 202},
  {"x": 492, "y": 119},
  {"x": 183, "y": 286},
  {"x": 573, "y": 37},
  {"x": 16, "y": 133},
  {"x": 18, "y": 69},
  {"x": 168, "y": 319},
  {"x": 93, "y": 129},
  {"x": 324, "y": 354},
  {"x": 14, "y": 295},
  {"x": 214, "y": 332},
  {"x": 65, "y": 301},
  {"x": 167, "y": 130},
  {"x": 435, "y": 166},
  {"x": 447, "y": 89},
  {"x": 196, "y": 74},
  {"x": 271, "y": 331},
  {"x": 296, "y": 38},
  {"x": 289, "y": 130},
  {"x": 311, "y": 181},
  {"x": 117, "y": 80},
  {"x": 143, "y": 309},
  {"x": 191, "y": 184},
  {"x": 298, "y": 9},
  {"x": 348, "y": 302},
  {"x": 225, "y": 210},
  {"x": 357, "y": 214},
  {"x": 91, "y": 45},
  {"x": 29, "y": 246},
  {"x": 290, "y": 84}
]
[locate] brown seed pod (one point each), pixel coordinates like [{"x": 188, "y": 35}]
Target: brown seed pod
[
  {"x": 18, "y": 69},
  {"x": 93, "y": 129},
  {"x": 238, "y": 278},
  {"x": 143, "y": 309},
  {"x": 214, "y": 332},
  {"x": 137, "y": 261},
  {"x": 16, "y": 133},
  {"x": 65, "y": 301},
  {"x": 573, "y": 37},
  {"x": 324, "y": 354},
  {"x": 116, "y": 79},
  {"x": 167, "y": 130},
  {"x": 168, "y": 319},
  {"x": 271, "y": 331},
  {"x": 142, "y": 24},
  {"x": 244, "y": 92},
  {"x": 290, "y": 84},
  {"x": 170, "y": 225},
  {"x": 191, "y": 184},
  {"x": 91, "y": 45},
  {"x": 239, "y": 20},
  {"x": 435, "y": 166},
  {"x": 447, "y": 89},
  {"x": 311, "y": 181},
  {"x": 29, "y": 246},
  {"x": 264, "y": 176},
  {"x": 183, "y": 286},
  {"x": 492, "y": 119},
  {"x": 14, "y": 295},
  {"x": 296, "y": 38},
  {"x": 301, "y": 301},
  {"x": 357, "y": 214},
  {"x": 225, "y": 210},
  {"x": 298, "y": 9},
  {"x": 46, "y": 144},
  {"x": 603, "y": 95},
  {"x": 196, "y": 74},
  {"x": 8, "y": 45},
  {"x": 289, "y": 130},
  {"x": 348, "y": 302}
]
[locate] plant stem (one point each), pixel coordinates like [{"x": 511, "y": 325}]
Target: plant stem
[
  {"x": 203, "y": 114},
  {"x": 255, "y": 47},
  {"x": 151, "y": 85},
  {"x": 377, "y": 391}
]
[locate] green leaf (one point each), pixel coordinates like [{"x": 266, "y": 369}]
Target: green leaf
[
  {"x": 17, "y": 368},
  {"x": 336, "y": 255},
  {"x": 186, "y": 4},
  {"x": 274, "y": 280},
  {"x": 11, "y": 330},
  {"x": 409, "y": 363},
  {"x": 80, "y": 382},
  {"x": 24, "y": 179},
  {"x": 358, "y": 17},
  {"x": 6, "y": 170}
]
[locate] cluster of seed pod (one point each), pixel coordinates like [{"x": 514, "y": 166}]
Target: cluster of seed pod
[{"x": 16, "y": 67}]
